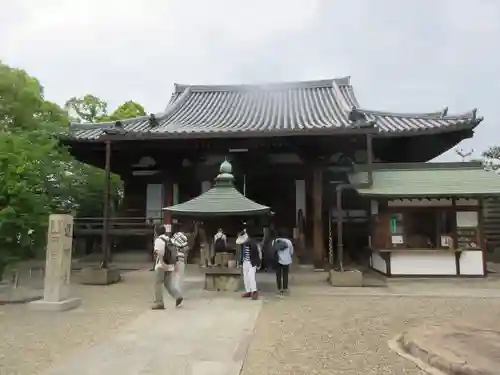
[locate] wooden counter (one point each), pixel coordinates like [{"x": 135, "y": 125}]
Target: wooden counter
[{"x": 428, "y": 262}]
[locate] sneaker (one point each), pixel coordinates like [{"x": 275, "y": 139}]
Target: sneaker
[
  {"x": 281, "y": 293},
  {"x": 255, "y": 295},
  {"x": 158, "y": 306},
  {"x": 286, "y": 292},
  {"x": 246, "y": 295},
  {"x": 178, "y": 301}
]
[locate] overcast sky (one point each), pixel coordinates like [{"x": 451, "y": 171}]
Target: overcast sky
[{"x": 402, "y": 55}]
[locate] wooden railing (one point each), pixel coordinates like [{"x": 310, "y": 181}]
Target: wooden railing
[{"x": 118, "y": 226}]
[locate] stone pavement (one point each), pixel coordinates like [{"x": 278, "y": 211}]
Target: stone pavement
[
  {"x": 204, "y": 337},
  {"x": 455, "y": 349}
]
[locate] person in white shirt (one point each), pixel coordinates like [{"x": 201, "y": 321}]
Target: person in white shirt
[
  {"x": 283, "y": 249},
  {"x": 220, "y": 242},
  {"x": 165, "y": 268}
]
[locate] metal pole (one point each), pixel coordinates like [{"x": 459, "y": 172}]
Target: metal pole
[{"x": 107, "y": 194}]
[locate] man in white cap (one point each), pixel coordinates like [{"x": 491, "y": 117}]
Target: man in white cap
[{"x": 166, "y": 251}]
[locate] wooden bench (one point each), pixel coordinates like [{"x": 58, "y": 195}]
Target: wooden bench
[{"x": 223, "y": 279}]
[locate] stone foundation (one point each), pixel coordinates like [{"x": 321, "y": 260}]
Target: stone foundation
[
  {"x": 100, "y": 276},
  {"x": 221, "y": 279},
  {"x": 346, "y": 279},
  {"x": 64, "y": 305}
]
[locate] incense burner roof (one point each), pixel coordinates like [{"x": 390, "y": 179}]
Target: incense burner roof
[
  {"x": 296, "y": 108},
  {"x": 221, "y": 200}
]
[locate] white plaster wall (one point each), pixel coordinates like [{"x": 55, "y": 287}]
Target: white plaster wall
[
  {"x": 471, "y": 263},
  {"x": 426, "y": 262},
  {"x": 378, "y": 263}
]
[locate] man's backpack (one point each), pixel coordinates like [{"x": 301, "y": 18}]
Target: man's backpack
[
  {"x": 170, "y": 254},
  {"x": 279, "y": 245},
  {"x": 220, "y": 245}
]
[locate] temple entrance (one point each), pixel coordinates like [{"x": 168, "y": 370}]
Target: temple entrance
[
  {"x": 356, "y": 223},
  {"x": 275, "y": 190}
]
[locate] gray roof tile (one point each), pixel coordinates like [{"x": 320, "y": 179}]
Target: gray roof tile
[{"x": 279, "y": 108}]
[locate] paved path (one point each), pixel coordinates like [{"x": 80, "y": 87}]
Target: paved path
[{"x": 204, "y": 337}]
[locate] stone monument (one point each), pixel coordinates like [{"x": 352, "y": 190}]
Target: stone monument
[{"x": 56, "y": 292}]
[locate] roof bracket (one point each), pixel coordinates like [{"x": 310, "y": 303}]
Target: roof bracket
[
  {"x": 153, "y": 122},
  {"x": 356, "y": 116},
  {"x": 474, "y": 114},
  {"x": 444, "y": 112}
]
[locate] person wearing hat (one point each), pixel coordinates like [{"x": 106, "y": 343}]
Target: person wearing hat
[
  {"x": 166, "y": 251},
  {"x": 250, "y": 258},
  {"x": 181, "y": 242}
]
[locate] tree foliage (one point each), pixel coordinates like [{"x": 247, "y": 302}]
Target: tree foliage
[
  {"x": 90, "y": 108},
  {"x": 38, "y": 175},
  {"x": 491, "y": 157},
  {"x": 129, "y": 109}
]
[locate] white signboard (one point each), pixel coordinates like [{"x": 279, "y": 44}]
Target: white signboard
[
  {"x": 397, "y": 240},
  {"x": 467, "y": 219}
]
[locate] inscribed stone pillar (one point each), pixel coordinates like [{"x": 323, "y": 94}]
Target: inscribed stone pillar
[{"x": 56, "y": 292}]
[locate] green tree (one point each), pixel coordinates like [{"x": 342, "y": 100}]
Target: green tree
[
  {"x": 129, "y": 109},
  {"x": 38, "y": 175},
  {"x": 22, "y": 104},
  {"x": 88, "y": 108},
  {"x": 491, "y": 157}
]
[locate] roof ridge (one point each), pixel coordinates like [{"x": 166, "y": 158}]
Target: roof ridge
[
  {"x": 438, "y": 115},
  {"x": 428, "y": 165},
  {"x": 326, "y": 83}
]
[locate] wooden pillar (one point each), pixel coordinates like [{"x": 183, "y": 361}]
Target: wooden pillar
[
  {"x": 107, "y": 195},
  {"x": 317, "y": 213}
]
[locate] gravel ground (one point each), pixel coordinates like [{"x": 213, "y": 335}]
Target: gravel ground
[
  {"x": 349, "y": 335},
  {"x": 308, "y": 334},
  {"x": 32, "y": 340}
]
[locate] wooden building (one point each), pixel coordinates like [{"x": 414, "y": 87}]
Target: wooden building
[
  {"x": 291, "y": 145},
  {"x": 427, "y": 219}
]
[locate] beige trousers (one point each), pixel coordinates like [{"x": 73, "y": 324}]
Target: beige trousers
[{"x": 168, "y": 280}]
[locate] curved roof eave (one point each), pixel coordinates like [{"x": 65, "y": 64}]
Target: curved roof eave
[{"x": 175, "y": 121}]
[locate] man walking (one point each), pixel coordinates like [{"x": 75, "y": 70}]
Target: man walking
[{"x": 166, "y": 253}]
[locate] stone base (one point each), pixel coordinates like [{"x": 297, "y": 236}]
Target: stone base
[
  {"x": 346, "y": 278},
  {"x": 452, "y": 348},
  {"x": 100, "y": 276},
  {"x": 223, "y": 279},
  {"x": 222, "y": 259},
  {"x": 68, "y": 304}
]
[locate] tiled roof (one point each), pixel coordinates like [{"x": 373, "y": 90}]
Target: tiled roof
[
  {"x": 429, "y": 180},
  {"x": 321, "y": 107}
]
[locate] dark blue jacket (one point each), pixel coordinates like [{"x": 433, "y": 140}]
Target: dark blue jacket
[{"x": 254, "y": 252}]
